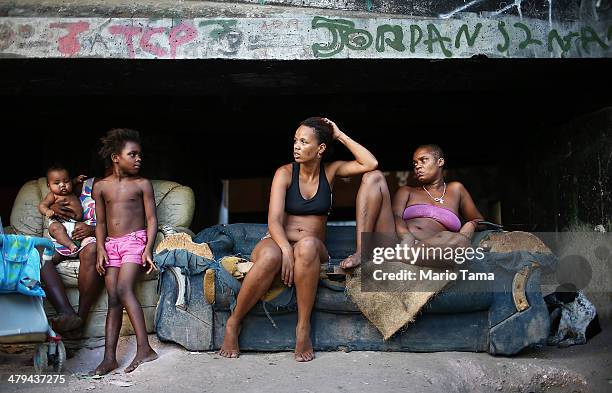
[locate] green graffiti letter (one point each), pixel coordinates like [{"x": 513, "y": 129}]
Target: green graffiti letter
[
  {"x": 465, "y": 31},
  {"x": 395, "y": 43},
  {"x": 225, "y": 27},
  {"x": 528, "y": 40},
  {"x": 587, "y": 35},
  {"x": 502, "y": 29},
  {"x": 564, "y": 43},
  {"x": 431, "y": 40},
  {"x": 343, "y": 34},
  {"x": 413, "y": 42}
]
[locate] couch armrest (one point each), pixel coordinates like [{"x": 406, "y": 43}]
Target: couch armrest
[{"x": 9, "y": 230}]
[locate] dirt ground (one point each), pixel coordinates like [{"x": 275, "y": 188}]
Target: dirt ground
[{"x": 586, "y": 368}]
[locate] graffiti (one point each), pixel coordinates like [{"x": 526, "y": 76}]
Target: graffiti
[
  {"x": 180, "y": 35},
  {"x": 502, "y": 29},
  {"x": 177, "y": 36},
  {"x": 128, "y": 33},
  {"x": 226, "y": 32},
  {"x": 343, "y": 34},
  {"x": 462, "y": 8},
  {"x": 69, "y": 44},
  {"x": 7, "y": 36},
  {"x": 588, "y": 35},
  {"x": 528, "y": 40},
  {"x": 469, "y": 39},
  {"x": 517, "y": 4},
  {"x": 564, "y": 43},
  {"x": 395, "y": 43},
  {"x": 301, "y": 37},
  {"x": 152, "y": 48},
  {"x": 520, "y": 36}
]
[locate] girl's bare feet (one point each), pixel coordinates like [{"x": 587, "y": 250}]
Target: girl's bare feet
[
  {"x": 140, "y": 358},
  {"x": 303, "y": 345},
  {"x": 105, "y": 367},
  {"x": 230, "y": 348}
]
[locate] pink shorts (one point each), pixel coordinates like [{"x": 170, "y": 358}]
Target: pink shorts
[{"x": 127, "y": 248}]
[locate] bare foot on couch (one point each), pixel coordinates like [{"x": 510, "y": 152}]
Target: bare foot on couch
[
  {"x": 230, "y": 348},
  {"x": 303, "y": 345},
  {"x": 351, "y": 261}
]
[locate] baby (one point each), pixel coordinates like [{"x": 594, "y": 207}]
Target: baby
[{"x": 60, "y": 184}]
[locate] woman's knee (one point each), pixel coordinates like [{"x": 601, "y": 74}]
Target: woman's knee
[
  {"x": 372, "y": 177},
  {"x": 307, "y": 249},
  {"x": 269, "y": 258}
]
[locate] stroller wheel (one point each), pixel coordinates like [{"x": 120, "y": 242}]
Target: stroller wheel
[
  {"x": 60, "y": 357},
  {"x": 41, "y": 361}
]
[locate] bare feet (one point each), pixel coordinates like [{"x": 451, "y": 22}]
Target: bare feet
[
  {"x": 148, "y": 356},
  {"x": 303, "y": 345},
  {"x": 105, "y": 367},
  {"x": 65, "y": 322},
  {"x": 351, "y": 261},
  {"x": 230, "y": 348}
]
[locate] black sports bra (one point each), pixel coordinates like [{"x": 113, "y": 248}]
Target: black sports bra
[{"x": 318, "y": 205}]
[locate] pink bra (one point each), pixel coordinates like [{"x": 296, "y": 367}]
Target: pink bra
[{"x": 443, "y": 216}]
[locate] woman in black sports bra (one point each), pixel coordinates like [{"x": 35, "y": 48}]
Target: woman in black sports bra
[{"x": 300, "y": 200}]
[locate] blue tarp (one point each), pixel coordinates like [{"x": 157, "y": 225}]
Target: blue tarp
[{"x": 20, "y": 265}]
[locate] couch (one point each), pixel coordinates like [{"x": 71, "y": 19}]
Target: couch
[
  {"x": 175, "y": 207},
  {"x": 501, "y": 318}
]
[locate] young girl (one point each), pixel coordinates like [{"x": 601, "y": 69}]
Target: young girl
[{"x": 125, "y": 234}]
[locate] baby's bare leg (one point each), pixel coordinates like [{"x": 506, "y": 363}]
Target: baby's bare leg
[{"x": 58, "y": 232}]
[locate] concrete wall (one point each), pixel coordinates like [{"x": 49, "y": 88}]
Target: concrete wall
[{"x": 243, "y": 31}]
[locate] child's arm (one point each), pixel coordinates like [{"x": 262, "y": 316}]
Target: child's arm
[
  {"x": 44, "y": 207},
  {"x": 102, "y": 258},
  {"x": 148, "y": 200}
]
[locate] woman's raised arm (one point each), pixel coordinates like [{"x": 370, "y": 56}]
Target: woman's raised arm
[{"x": 364, "y": 160}]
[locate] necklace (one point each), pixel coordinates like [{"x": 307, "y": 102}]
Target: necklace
[{"x": 441, "y": 199}]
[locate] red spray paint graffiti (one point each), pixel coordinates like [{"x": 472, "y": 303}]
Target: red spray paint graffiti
[
  {"x": 69, "y": 44},
  {"x": 180, "y": 35},
  {"x": 128, "y": 33},
  {"x": 153, "y": 49}
]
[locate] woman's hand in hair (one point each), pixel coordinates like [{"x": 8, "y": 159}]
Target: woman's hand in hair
[{"x": 336, "y": 131}]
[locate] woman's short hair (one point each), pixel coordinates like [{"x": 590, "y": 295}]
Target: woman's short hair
[
  {"x": 323, "y": 131},
  {"x": 435, "y": 149}
]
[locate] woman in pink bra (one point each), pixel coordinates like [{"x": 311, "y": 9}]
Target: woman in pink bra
[{"x": 427, "y": 213}]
